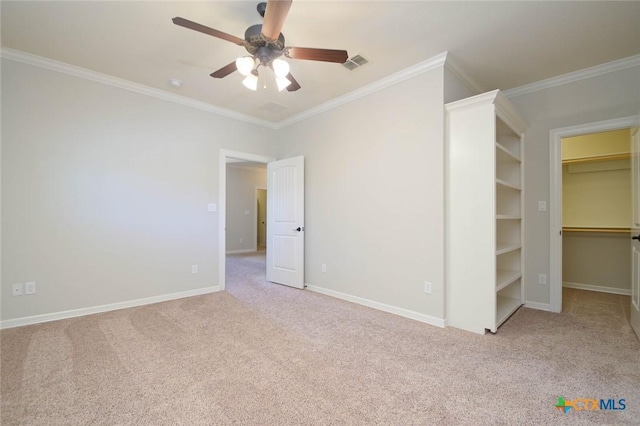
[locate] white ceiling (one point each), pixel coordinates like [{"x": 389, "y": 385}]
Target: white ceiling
[{"x": 499, "y": 44}]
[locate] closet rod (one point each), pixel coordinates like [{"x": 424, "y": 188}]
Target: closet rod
[
  {"x": 609, "y": 157},
  {"x": 601, "y": 230}
]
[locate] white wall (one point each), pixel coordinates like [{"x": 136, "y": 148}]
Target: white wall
[
  {"x": 241, "y": 198},
  {"x": 105, "y": 191},
  {"x": 375, "y": 195},
  {"x": 454, "y": 88},
  {"x": 603, "y": 97}
]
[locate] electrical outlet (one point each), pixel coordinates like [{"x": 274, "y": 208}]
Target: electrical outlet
[
  {"x": 542, "y": 278},
  {"x": 212, "y": 207},
  {"x": 30, "y": 288},
  {"x": 427, "y": 287},
  {"x": 542, "y": 206},
  {"x": 16, "y": 290},
  {"x": 194, "y": 269},
  {"x": 323, "y": 267}
]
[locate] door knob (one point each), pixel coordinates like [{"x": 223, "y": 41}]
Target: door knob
[
  {"x": 637, "y": 237},
  {"x": 298, "y": 229}
]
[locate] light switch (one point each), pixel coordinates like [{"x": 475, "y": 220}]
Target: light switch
[
  {"x": 542, "y": 206},
  {"x": 212, "y": 207}
]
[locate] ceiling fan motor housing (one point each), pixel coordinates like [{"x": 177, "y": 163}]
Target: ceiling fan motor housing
[{"x": 264, "y": 49}]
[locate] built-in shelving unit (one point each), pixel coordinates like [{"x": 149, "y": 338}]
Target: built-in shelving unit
[{"x": 484, "y": 253}]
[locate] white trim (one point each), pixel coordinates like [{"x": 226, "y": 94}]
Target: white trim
[
  {"x": 621, "y": 64},
  {"x": 120, "y": 83},
  {"x": 435, "y": 62},
  {"x": 427, "y": 319},
  {"x": 598, "y": 288},
  {"x": 53, "y": 65},
  {"x": 37, "y": 319},
  {"x": 555, "y": 191},
  {"x": 537, "y": 305},
  {"x": 222, "y": 202}
]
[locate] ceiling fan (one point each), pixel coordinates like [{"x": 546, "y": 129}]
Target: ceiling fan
[{"x": 265, "y": 44}]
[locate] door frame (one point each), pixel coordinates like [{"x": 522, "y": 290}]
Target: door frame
[
  {"x": 226, "y": 154},
  {"x": 555, "y": 198}
]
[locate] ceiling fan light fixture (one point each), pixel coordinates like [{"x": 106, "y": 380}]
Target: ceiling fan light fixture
[
  {"x": 280, "y": 68},
  {"x": 245, "y": 64},
  {"x": 282, "y": 82},
  {"x": 251, "y": 81}
]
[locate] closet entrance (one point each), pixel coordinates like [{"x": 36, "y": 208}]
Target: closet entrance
[
  {"x": 594, "y": 216},
  {"x": 596, "y": 212}
]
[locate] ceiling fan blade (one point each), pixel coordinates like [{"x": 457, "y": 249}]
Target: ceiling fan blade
[
  {"x": 274, "y": 18},
  {"x": 225, "y": 71},
  {"x": 324, "y": 55},
  {"x": 206, "y": 30},
  {"x": 294, "y": 84}
]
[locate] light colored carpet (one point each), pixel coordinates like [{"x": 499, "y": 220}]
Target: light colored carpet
[{"x": 264, "y": 354}]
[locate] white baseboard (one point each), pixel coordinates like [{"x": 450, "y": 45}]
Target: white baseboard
[
  {"x": 599, "y": 288},
  {"x": 538, "y": 305},
  {"x": 36, "y": 319},
  {"x": 438, "y": 322},
  {"x": 241, "y": 251}
]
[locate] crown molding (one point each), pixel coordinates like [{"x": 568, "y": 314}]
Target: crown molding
[
  {"x": 435, "y": 62},
  {"x": 61, "y": 67},
  {"x": 620, "y": 64}
]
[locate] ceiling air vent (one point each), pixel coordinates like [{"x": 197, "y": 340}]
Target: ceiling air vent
[{"x": 355, "y": 62}]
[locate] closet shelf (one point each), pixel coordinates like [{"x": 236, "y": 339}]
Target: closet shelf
[
  {"x": 611, "y": 157},
  {"x": 505, "y": 278},
  {"x": 508, "y": 217},
  {"x": 596, "y": 229},
  {"x": 504, "y": 151},
  {"x": 506, "y": 307},
  {"x": 506, "y": 184},
  {"x": 502, "y": 248}
]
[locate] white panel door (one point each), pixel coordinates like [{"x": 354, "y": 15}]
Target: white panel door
[
  {"x": 285, "y": 222},
  {"x": 635, "y": 230}
]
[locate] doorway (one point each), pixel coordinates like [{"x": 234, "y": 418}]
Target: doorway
[
  {"x": 230, "y": 157},
  {"x": 556, "y": 201},
  {"x": 596, "y": 210},
  {"x": 261, "y": 218}
]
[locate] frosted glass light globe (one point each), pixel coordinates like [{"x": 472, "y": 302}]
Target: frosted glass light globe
[
  {"x": 245, "y": 65},
  {"x": 280, "y": 67},
  {"x": 251, "y": 82}
]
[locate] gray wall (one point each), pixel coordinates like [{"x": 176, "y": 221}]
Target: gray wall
[
  {"x": 375, "y": 195},
  {"x": 596, "y": 259},
  {"x": 105, "y": 191}
]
